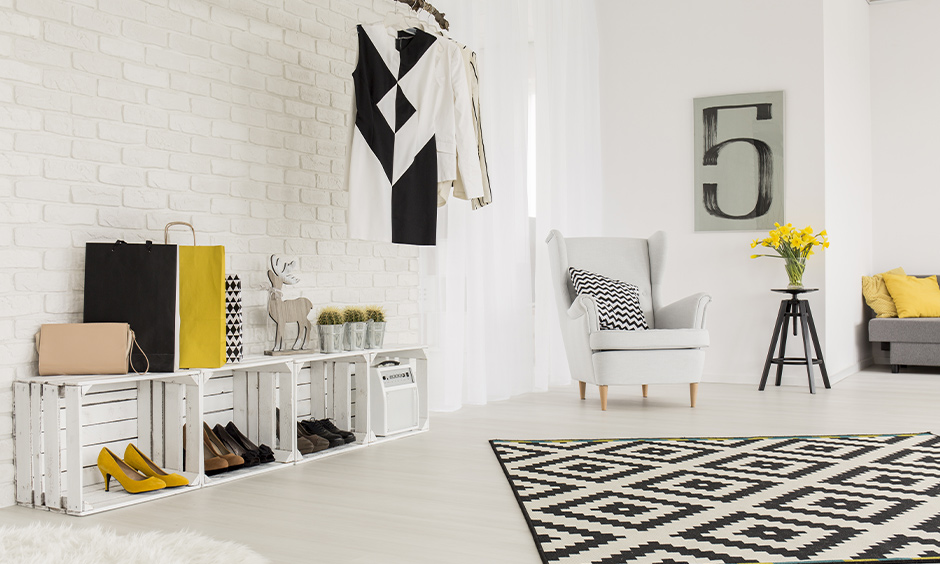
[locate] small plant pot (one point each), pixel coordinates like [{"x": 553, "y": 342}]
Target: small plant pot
[
  {"x": 375, "y": 334},
  {"x": 355, "y": 335},
  {"x": 331, "y": 338}
]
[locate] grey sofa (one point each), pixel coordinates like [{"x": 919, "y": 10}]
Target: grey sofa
[{"x": 912, "y": 341}]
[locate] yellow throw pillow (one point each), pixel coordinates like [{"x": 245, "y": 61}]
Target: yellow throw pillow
[
  {"x": 914, "y": 297},
  {"x": 876, "y": 293}
]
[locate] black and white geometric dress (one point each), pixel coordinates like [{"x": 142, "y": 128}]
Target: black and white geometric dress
[{"x": 403, "y": 84}]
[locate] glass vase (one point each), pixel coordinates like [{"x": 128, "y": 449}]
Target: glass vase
[{"x": 795, "y": 268}]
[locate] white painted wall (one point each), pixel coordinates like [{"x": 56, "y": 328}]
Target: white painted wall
[
  {"x": 905, "y": 90},
  {"x": 117, "y": 116},
  {"x": 656, "y": 56},
  {"x": 848, "y": 202}
]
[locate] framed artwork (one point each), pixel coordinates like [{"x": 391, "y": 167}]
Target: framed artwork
[{"x": 739, "y": 162}]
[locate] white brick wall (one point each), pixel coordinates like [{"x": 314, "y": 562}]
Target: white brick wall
[{"x": 118, "y": 116}]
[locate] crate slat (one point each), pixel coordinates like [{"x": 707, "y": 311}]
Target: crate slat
[
  {"x": 23, "y": 433},
  {"x": 92, "y": 393},
  {"x": 73, "y": 455},
  {"x": 219, "y": 385},
  {"x": 50, "y": 439}
]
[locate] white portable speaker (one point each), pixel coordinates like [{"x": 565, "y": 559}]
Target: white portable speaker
[{"x": 394, "y": 399}]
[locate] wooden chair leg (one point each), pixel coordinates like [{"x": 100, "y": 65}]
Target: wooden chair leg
[
  {"x": 693, "y": 391},
  {"x": 603, "y": 397},
  {"x": 645, "y": 389},
  {"x": 582, "y": 387}
]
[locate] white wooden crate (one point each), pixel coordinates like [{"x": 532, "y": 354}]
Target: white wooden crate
[
  {"x": 249, "y": 393},
  {"x": 326, "y": 388},
  {"x": 62, "y": 424}
]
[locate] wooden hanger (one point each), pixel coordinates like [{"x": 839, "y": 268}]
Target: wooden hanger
[{"x": 417, "y": 5}]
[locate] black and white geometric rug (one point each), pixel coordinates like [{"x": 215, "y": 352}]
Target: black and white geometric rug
[{"x": 868, "y": 498}]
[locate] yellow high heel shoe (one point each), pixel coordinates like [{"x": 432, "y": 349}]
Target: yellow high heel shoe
[
  {"x": 132, "y": 481},
  {"x": 139, "y": 461}
]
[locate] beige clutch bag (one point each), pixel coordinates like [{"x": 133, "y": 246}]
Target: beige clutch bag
[{"x": 84, "y": 348}]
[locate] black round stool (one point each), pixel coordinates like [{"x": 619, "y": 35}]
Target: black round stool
[{"x": 802, "y": 315}]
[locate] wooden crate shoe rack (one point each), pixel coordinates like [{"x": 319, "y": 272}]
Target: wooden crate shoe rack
[{"x": 61, "y": 423}]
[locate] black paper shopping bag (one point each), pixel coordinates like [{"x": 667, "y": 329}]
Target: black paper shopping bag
[{"x": 136, "y": 283}]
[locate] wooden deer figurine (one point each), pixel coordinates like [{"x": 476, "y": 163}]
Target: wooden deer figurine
[{"x": 283, "y": 311}]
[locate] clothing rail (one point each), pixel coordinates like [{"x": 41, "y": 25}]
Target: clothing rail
[{"x": 427, "y": 7}]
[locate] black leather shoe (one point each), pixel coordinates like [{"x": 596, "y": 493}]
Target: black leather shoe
[
  {"x": 251, "y": 457},
  {"x": 348, "y": 436},
  {"x": 313, "y": 427},
  {"x": 264, "y": 451}
]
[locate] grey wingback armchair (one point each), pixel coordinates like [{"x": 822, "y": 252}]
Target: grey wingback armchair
[{"x": 670, "y": 352}]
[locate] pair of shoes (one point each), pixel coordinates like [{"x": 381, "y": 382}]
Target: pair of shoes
[
  {"x": 326, "y": 429},
  {"x": 313, "y": 428},
  {"x": 241, "y": 445},
  {"x": 309, "y": 442},
  {"x": 251, "y": 457},
  {"x": 264, "y": 451},
  {"x": 136, "y": 473}
]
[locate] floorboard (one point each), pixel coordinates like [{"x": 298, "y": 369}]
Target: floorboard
[{"x": 442, "y": 497}]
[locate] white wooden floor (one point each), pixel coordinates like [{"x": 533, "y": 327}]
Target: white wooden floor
[{"x": 442, "y": 497}]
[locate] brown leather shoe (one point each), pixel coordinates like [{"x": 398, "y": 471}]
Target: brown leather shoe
[
  {"x": 304, "y": 445},
  {"x": 317, "y": 442}
]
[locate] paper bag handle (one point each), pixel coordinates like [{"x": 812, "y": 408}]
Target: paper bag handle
[{"x": 166, "y": 230}]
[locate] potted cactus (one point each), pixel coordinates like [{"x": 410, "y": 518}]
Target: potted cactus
[
  {"x": 354, "y": 328},
  {"x": 330, "y": 328},
  {"x": 375, "y": 327}
]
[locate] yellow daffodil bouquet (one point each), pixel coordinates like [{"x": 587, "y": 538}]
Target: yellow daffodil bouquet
[{"x": 793, "y": 246}]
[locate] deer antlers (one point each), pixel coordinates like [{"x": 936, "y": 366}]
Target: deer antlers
[{"x": 283, "y": 269}]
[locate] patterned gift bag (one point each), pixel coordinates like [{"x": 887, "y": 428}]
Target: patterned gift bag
[{"x": 233, "y": 319}]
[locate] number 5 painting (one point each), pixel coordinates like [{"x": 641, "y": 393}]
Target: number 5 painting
[{"x": 739, "y": 162}]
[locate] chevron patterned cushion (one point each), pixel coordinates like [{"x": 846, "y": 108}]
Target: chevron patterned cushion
[{"x": 618, "y": 303}]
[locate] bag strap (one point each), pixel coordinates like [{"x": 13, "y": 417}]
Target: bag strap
[
  {"x": 130, "y": 357},
  {"x": 166, "y": 230}
]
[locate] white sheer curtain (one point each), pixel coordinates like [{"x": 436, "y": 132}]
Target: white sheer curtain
[
  {"x": 486, "y": 342},
  {"x": 476, "y": 283},
  {"x": 568, "y": 163}
]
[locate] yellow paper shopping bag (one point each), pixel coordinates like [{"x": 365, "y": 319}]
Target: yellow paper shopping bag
[{"x": 202, "y": 303}]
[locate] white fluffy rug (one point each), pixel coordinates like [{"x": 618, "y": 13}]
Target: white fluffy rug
[{"x": 46, "y": 544}]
